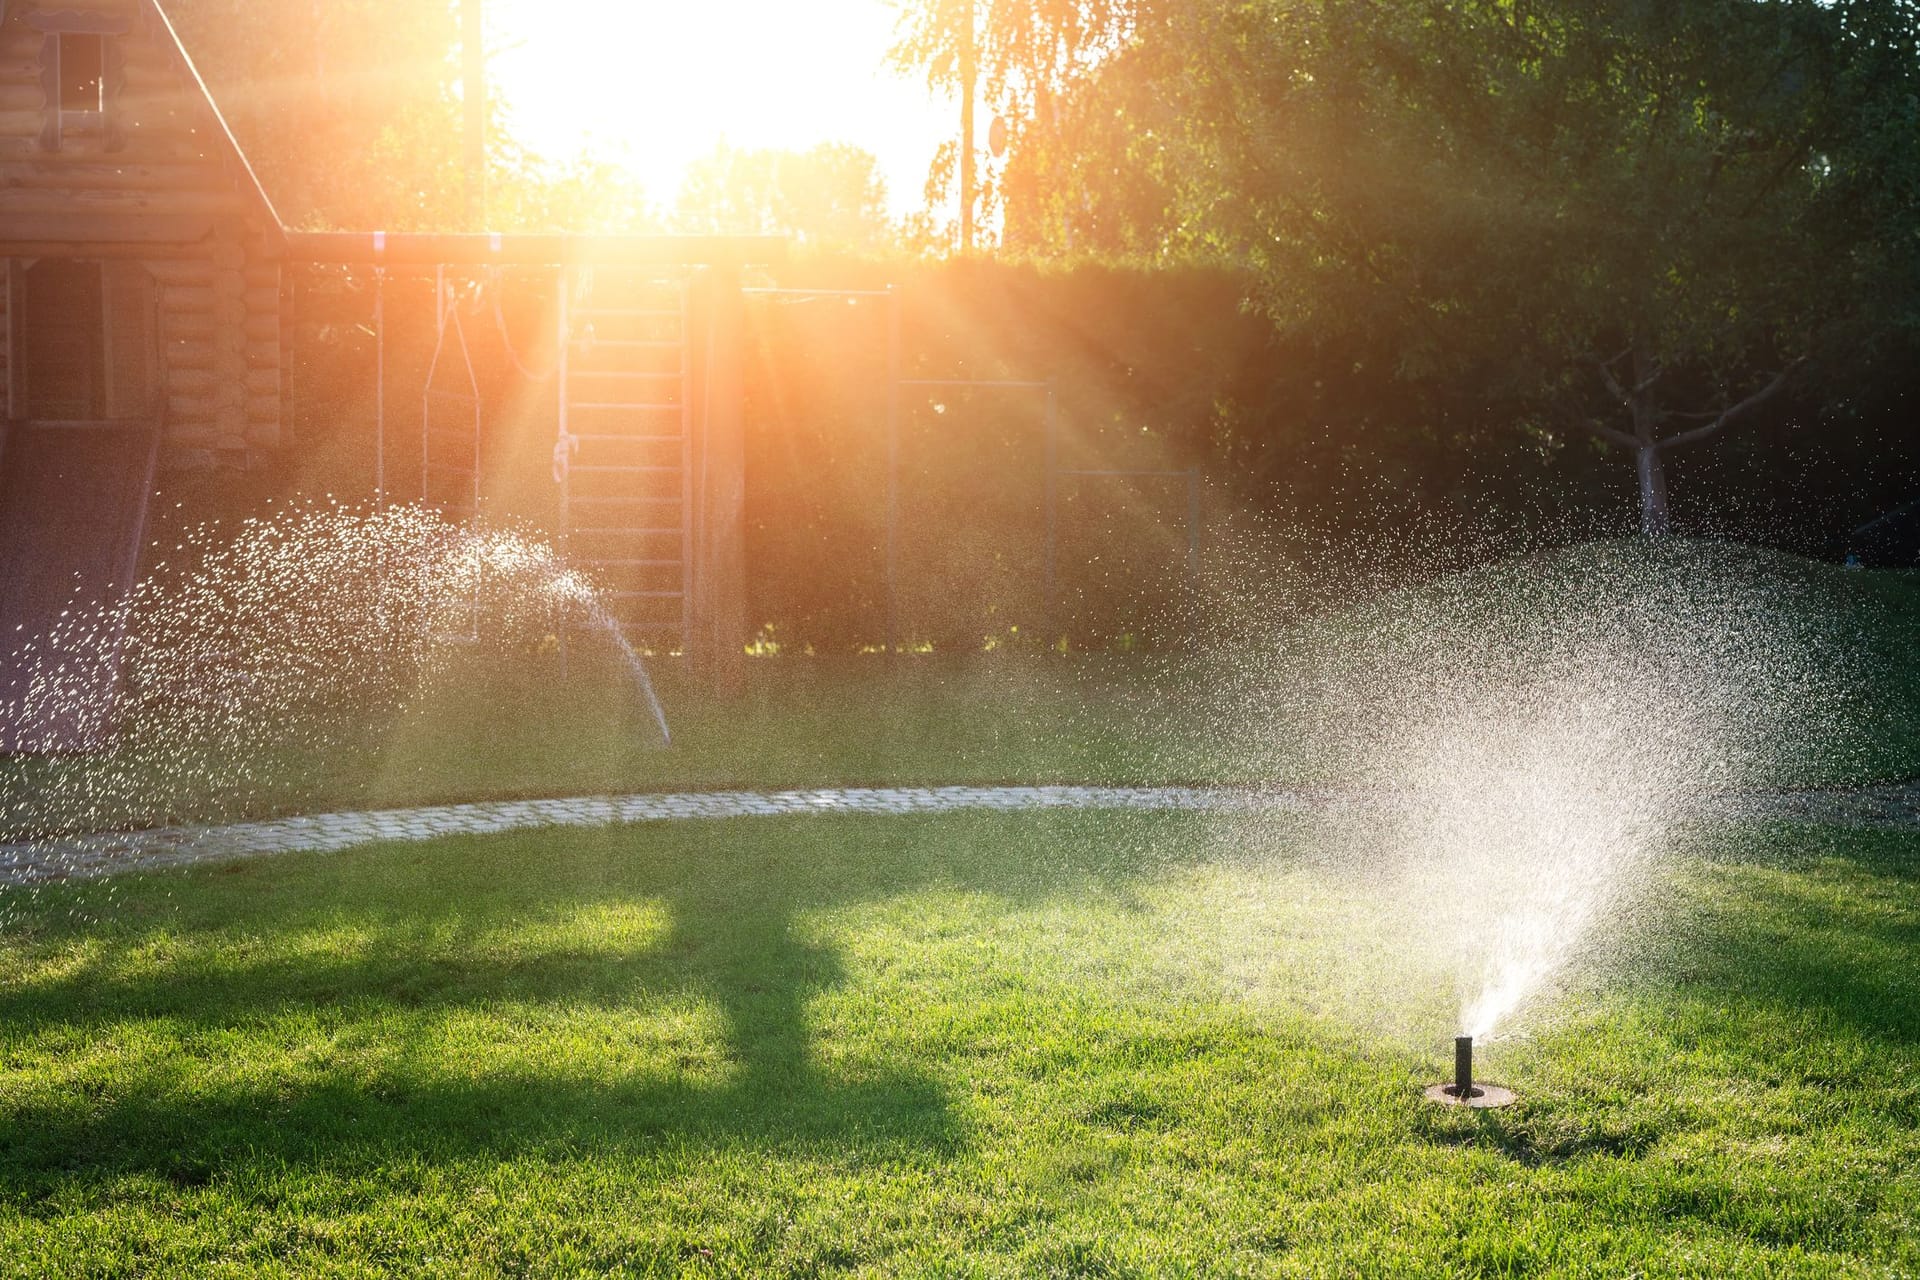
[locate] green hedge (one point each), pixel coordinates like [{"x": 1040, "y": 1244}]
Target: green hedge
[{"x": 1153, "y": 369}]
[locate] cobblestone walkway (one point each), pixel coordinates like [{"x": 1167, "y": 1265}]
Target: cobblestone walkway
[
  {"x": 87, "y": 857},
  {"x": 93, "y": 856}
]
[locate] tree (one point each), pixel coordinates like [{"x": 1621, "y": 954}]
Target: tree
[
  {"x": 531, "y": 192},
  {"x": 1036, "y": 60},
  {"x": 829, "y": 197},
  {"x": 348, "y": 110},
  {"x": 1635, "y": 219}
]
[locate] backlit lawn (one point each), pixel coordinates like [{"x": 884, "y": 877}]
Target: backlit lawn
[{"x": 518, "y": 726}]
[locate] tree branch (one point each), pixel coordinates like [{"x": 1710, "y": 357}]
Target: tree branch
[
  {"x": 1737, "y": 411},
  {"x": 1607, "y": 375},
  {"x": 1611, "y": 434}
]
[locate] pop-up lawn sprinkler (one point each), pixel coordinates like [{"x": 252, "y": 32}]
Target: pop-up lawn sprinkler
[{"x": 1463, "y": 1090}]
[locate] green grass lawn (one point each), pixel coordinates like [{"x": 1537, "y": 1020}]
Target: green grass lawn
[
  {"x": 520, "y": 730},
  {"x": 1019, "y": 1045}
]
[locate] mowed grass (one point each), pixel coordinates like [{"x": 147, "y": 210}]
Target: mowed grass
[
  {"x": 924, "y": 719},
  {"x": 1019, "y": 1045},
  {"x": 520, "y": 728},
  {"x": 519, "y": 725}
]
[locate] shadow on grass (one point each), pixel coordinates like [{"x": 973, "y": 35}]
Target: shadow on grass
[
  {"x": 428, "y": 925},
  {"x": 1804, "y": 920}
]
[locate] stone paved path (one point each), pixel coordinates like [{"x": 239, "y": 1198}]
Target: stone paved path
[
  {"x": 87, "y": 857},
  {"x": 93, "y": 856}
]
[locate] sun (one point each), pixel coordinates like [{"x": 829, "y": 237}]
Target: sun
[{"x": 654, "y": 86}]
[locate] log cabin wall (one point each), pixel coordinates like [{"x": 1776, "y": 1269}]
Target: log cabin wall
[
  {"x": 220, "y": 344},
  {"x": 111, "y": 149},
  {"x": 6, "y": 339}
]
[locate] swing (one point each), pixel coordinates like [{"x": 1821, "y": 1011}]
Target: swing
[
  {"x": 450, "y": 440},
  {"x": 450, "y": 414}
]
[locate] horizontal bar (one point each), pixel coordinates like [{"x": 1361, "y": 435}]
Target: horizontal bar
[
  {"x": 615, "y": 404},
  {"x": 590, "y": 314},
  {"x": 975, "y": 382},
  {"x": 80, "y": 424},
  {"x": 819, "y": 293},
  {"x": 484, "y": 249},
  {"x": 649, "y": 344},
  {"x": 591, "y": 468},
  {"x": 1185, "y": 475},
  {"x": 624, "y": 373},
  {"x": 606, "y": 531},
  {"x": 603, "y": 499}
]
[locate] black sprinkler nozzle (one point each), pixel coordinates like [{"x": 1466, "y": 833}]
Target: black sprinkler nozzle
[
  {"x": 1463, "y": 1067},
  {"x": 1461, "y": 1091}
]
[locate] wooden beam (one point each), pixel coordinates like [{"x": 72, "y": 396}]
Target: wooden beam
[
  {"x": 426, "y": 249},
  {"x": 721, "y": 548},
  {"x": 69, "y": 21},
  {"x": 98, "y": 172},
  {"x": 131, "y": 200},
  {"x": 89, "y": 234}
]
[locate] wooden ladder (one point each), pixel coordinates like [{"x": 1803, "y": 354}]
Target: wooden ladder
[{"x": 625, "y": 459}]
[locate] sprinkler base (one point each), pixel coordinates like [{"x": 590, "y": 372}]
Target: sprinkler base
[{"x": 1483, "y": 1097}]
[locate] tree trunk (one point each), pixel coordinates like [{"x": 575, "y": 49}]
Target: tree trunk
[
  {"x": 1653, "y": 491},
  {"x": 1652, "y": 467}
]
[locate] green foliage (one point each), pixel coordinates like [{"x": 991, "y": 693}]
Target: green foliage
[
  {"x": 828, "y": 198},
  {"x": 1514, "y": 189},
  {"x": 350, "y": 113},
  {"x": 1621, "y": 218},
  {"x": 1458, "y": 221},
  {"x": 1155, "y": 367},
  {"x": 817, "y": 715},
  {"x": 347, "y": 109},
  {"x": 1033, "y": 60}
]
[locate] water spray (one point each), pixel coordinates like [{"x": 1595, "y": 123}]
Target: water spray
[{"x": 1462, "y": 1090}]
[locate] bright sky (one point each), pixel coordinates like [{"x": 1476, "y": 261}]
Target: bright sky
[{"x": 656, "y": 85}]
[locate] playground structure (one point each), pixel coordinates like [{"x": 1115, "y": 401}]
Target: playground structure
[
  {"x": 146, "y": 326},
  {"x": 648, "y": 458},
  {"x": 147, "y": 329},
  {"x": 644, "y": 380}
]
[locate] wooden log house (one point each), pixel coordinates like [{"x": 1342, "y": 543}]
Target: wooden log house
[
  {"x": 142, "y": 329},
  {"x": 139, "y": 306},
  {"x": 142, "y": 256}
]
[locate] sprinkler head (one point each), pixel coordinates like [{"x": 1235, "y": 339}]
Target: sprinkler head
[{"x": 1461, "y": 1091}]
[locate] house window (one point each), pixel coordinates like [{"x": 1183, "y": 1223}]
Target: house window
[
  {"x": 79, "y": 76},
  {"x": 83, "y": 73},
  {"x": 63, "y": 341}
]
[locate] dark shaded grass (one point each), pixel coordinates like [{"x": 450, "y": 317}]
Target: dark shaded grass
[
  {"x": 517, "y": 728},
  {"x": 514, "y": 727},
  {"x": 925, "y": 1045}
]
